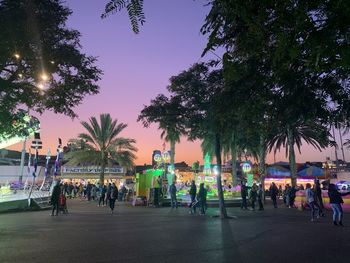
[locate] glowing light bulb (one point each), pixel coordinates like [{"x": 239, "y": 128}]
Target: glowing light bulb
[
  {"x": 52, "y": 62},
  {"x": 17, "y": 56},
  {"x": 44, "y": 77},
  {"x": 20, "y": 75},
  {"x": 41, "y": 86}
]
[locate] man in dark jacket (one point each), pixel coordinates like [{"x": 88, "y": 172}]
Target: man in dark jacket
[
  {"x": 244, "y": 193},
  {"x": 113, "y": 197},
  {"x": 273, "y": 194},
  {"x": 193, "y": 192},
  {"x": 336, "y": 201},
  {"x": 172, "y": 191},
  {"x": 318, "y": 192},
  {"x": 55, "y": 197}
]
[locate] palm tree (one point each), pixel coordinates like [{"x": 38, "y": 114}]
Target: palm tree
[
  {"x": 167, "y": 113},
  {"x": 289, "y": 136},
  {"x": 100, "y": 145},
  {"x": 134, "y": 9}
]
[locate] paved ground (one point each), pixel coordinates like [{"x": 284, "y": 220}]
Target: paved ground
[{"x": 139, "y": 234}]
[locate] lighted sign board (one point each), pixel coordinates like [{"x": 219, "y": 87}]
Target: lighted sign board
[
  {"x": 92, "y": 170},
  {"x": 166, "y": 156},
  {"x": 246, "y": 167},
  {"x": 157, "y": 157}
]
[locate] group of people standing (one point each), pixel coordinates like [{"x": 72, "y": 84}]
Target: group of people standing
[
  {"x": 256, "y": 194},
  {"x": 198, "y": 199},
  {"x": 58, "y": 199},
  {"x": 108, "y": 195},
  {"x": 313, "y": 196},
  {"x": 314, "y": 200}
]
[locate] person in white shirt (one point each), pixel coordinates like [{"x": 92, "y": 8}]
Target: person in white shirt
[{"x": 310, "y": 199}]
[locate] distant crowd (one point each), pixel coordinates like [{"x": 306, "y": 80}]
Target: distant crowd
[
  {"x": 106, "y": 195},
  {"x": 313, "y": 196},
  {"x": 102, "y": 194}
]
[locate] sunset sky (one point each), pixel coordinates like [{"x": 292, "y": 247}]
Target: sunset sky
[{"x": 137, "y": 68}]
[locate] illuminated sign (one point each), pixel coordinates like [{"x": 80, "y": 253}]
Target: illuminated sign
[
  {"x": 157, "y": 157},
  {"x": 92, "y": 170},
  {"x": 246, "y": 167},
  {"x": 166, "y": 156}
]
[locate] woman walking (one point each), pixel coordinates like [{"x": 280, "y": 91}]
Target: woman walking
[
  {"x": 193, "y": 192},
  {"x": 202, "y": 199},
  {"x": 113, "y": 196},
  {"x": 336, "y": 202},
  {"x": 310, "y": 199},
  {"x": 253, "y": 195},
  {"x": 103, "y": 190}
]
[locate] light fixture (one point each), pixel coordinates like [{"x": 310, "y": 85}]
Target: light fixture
[
  {"x": 41, "y": 86},
  {"x": 17, "y": 56},
  {"x": 20, "y": 75},
  {"x": 44, "y": 77}
]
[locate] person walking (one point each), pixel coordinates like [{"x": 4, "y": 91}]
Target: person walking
[
  {"x": 273, "y": 194},
  {"x": 55, "y": 198},
  {"x": 113, "y": 197},
  {"x": 103, "y": 190},
  {"x": 253, "y": 195},
  {"x": 336, "y": 201},
  {"x": 202, "y": 197},
  {"x": 260, "y": 195},
  {"x": 286, "y": 197},
  {"x": 193, "y": 192},
  {"x": 93, "y": 192},
  {"x": 292, "y": 194},
  {"x": 318, "y": 197},
  {"x": 172, "y": 190},
  {"x": 108, "y": 193},
  {"x": 88, "y": 191},
  {"x": 310, "y": 199},
  {"x": 244, "y": 193}
]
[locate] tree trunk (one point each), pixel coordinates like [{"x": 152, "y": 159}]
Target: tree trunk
[
  {"x": 292, "y": 162},
  {"x": 234, "y": 164},
  {"x": 172, "y": 153},
  {"x": 103, "y": 166},
  {"x": 172, "y": 160},
  {"x": 223, "y": 213},
  {"x": 262, "y": 164}
]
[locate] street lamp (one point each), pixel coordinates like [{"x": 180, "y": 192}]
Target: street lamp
[{"x": 41, "y": 86}]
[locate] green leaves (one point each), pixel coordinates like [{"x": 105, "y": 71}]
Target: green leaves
[
  {"x": 102, "y": 144},
  {"x": 41, "y": 63},
  {"x": 134, "y": 9}
]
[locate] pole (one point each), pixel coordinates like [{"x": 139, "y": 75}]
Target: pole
[
  {"x": 23, "y": 154},
  {"x": 22, "y": 161}
]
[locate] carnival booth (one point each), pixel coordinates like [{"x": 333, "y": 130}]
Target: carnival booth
[
  {"x": 280, "y": 174},
  {"x": 313, "y": 173}
]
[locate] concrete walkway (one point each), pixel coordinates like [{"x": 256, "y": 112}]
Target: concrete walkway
[{"x": 139, "y": 234}]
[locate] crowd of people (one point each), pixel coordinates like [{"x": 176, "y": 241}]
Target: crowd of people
[
  {"x": 313, "y": 197},
  {"x": 105, "y": 195}
]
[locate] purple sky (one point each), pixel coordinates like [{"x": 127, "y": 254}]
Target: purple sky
[{"x": 137, "y": 68}]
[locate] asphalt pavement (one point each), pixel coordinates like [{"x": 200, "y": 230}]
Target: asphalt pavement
[{"x": 144, "y": 234}]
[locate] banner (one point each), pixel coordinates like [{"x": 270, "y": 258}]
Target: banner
[{"x": 91, "y": 170}]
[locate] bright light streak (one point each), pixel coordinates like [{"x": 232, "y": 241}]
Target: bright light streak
[{"x": 44, "y": 77}]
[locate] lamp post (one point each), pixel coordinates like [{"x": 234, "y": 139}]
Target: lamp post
[
  {"x": 36, "y": 144},
  {"x": 48, "y": 157},
  {"x": 41, "y": 85}
]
